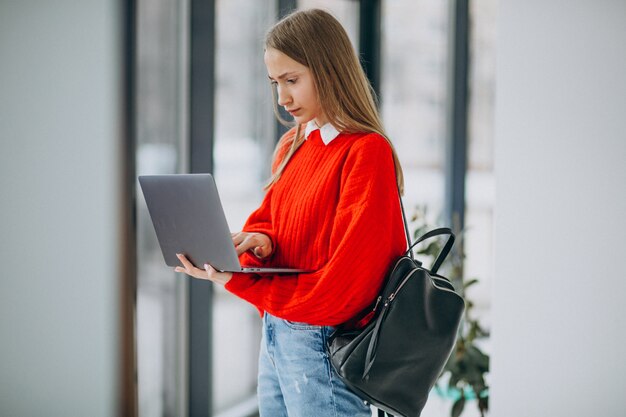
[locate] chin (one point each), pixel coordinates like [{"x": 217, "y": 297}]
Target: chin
[{"x": 302, "y": 120}]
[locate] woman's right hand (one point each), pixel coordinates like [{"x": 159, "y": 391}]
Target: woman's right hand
[{"x": 258, "y": 243}]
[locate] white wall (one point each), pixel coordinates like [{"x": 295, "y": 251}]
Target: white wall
[
  {"x": 559, "y": 311},
  {"x": 59, "y": 207}
]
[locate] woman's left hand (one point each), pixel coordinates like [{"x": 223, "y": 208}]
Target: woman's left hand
[{"x": 208, "y": 273}]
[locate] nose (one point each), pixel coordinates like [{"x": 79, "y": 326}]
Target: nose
[{"x": 283, "y": 96}]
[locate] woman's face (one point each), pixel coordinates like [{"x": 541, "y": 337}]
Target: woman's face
[{"x": 295, "y": 88}]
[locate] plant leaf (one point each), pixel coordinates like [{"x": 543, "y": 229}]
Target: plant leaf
[
  {"x": 469, "y": 283},
  {"x": 478, "y": 358},
  {"x": 483, "y": 404},
  {"x": 457, "y": 407},
  {"x": 467, "y": 365}
]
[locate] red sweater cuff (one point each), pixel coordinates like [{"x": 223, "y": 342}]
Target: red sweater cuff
[{"x": 240, "y": 282}]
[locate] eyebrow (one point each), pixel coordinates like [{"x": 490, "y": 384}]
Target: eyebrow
[{"x": 284, "y": 75}]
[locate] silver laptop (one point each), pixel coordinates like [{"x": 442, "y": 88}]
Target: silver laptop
[{"x": 188, "y": 218}]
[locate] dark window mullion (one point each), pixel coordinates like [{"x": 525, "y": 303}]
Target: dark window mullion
[
  {"x": 456, "y": 146},
  {"x": 128, "y": 401},
  {"x": 369, "y": 40},
  {"x": 284, "y": 7},
  {"x": 201, "y": 120}
]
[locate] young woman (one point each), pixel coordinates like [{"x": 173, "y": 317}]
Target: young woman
[{"x": 331, "y": 207}]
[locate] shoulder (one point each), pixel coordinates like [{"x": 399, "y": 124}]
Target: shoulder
[
  {"x": 287, "y": 138},
  {"x": 369, "y": 147},
  {"x": 369, "y": 165},
  {"x": 282, "y": 147},
  {"x": 369, "y": 158}
]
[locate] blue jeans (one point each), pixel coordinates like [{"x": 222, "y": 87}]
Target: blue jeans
[{"x": 296, "y": 378}]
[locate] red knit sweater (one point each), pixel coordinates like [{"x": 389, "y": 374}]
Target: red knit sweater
[{"x": 334, "y": 211}]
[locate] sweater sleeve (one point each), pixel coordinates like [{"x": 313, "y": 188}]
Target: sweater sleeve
[
  {"x": 367, "y": 237},
  {"x": 260, "y": 220}
]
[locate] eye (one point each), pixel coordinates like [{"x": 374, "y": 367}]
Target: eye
[
  {"x": 272, "y": 82},
  {"x": 291, "y": 80}
]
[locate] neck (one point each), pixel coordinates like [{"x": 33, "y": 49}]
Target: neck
[{"x": 320, "y": 121}]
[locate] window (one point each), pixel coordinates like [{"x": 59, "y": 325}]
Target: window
[
  {"x": 161, "y": 315},
  {"x": 414, "y": 93},
  {"x": 414, "y": 105},
  {"x": 244, "y": 142},
  {"x": 346, "y": 11},
  {"x": 480, "y": 176}
]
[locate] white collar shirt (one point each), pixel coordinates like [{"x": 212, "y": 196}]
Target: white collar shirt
[{"x": 328, "y": 132}]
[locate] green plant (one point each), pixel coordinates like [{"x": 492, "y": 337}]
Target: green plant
[{"x": 466, "y": 368}]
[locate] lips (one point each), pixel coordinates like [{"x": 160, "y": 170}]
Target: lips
[{"x": 293, "y": 111}]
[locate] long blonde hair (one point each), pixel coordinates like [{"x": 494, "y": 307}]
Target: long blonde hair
[{"x": 315, "y": 39}]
